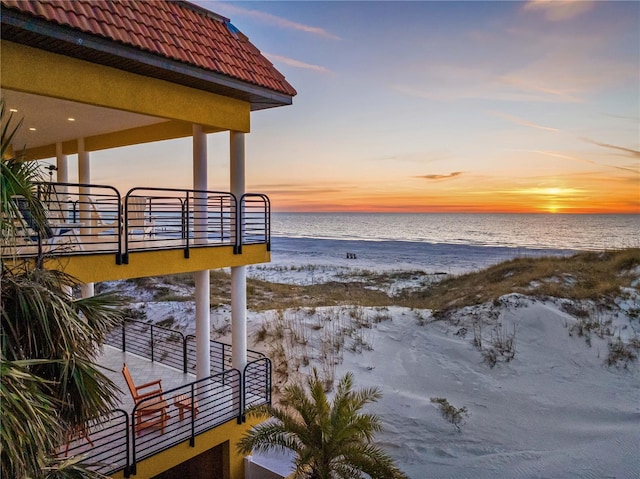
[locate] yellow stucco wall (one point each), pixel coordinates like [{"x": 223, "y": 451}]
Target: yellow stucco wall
[
  {"x": 231, "y": 432},
  {"x": 91, "y": 268},
  {"x": 38, "y": 72}
]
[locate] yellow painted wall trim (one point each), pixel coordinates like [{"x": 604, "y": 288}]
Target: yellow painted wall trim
[
  {"x": 35, "y": 71},
  {"x": 90, "y": 268}
]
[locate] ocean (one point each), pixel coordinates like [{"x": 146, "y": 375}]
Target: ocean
[{"x": 529, "y": 231}]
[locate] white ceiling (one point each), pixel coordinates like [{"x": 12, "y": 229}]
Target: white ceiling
[{"x": 50, "y": 118}]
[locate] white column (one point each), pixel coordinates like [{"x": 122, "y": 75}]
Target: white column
[
  {"x": 62, "y": 165},
  {"x": 84, "y": 176},
  {"x": 87, "y": 290},
  {"x": 62, "y": 176},
  {"x": 238, "y": 273},
  {"x": 202, "y": 286},
  {"x": 84, "y": 165}
]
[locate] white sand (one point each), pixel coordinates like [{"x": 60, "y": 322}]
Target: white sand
[{"x": 555, "y": 411}]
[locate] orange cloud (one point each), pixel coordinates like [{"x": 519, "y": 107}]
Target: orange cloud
[{"x": 559, "y": 10}]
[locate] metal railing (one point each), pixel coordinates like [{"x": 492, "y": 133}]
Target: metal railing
[
  {"x": 208, "y": 403},
  {"x": 80, "y": 218},
  {"x": 169, "y": 347},
  {"x": 256, "y": 219},
  {"x": 169, "y": 218},
  {"x": 104, "y": 443},
  {"x": 90, "y": 219},
  {"x": 257, "y": 383}
]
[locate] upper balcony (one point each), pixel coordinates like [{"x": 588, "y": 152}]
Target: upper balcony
[{"x": 96, "y": 234}]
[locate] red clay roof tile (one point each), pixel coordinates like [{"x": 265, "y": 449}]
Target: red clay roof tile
[{"x": 176, "y": 30}]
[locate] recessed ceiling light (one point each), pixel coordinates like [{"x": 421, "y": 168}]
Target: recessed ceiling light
[
  {"x": 32, "y": 129},
  {"x": 71, "y": 119},
  {"x": 13, "y": 110}
]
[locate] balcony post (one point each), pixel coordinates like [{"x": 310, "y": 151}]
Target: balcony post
[
  {"x": 238, "y": 273},
  {"x": 202, "y": 286},
  {"x": 62, "y": 176},
  {"x": 84, "y": 177}
]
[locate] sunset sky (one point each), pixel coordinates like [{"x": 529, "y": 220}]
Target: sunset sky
[{"x": 436, "y": 107}]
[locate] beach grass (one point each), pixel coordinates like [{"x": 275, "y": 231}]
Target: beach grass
[{"x": 595, "y": 276}]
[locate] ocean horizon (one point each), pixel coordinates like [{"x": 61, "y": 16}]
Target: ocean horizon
[{"x": 579, "y": 232}]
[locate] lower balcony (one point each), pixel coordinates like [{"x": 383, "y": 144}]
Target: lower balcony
[
  {"x": 102, "y": 236},
  {"x": 193, "y": 416}
]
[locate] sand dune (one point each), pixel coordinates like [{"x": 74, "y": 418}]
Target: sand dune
[{"x": 556, "y": 410}]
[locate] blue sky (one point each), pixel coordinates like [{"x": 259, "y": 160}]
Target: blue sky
[{"x": 441, "y": 106}]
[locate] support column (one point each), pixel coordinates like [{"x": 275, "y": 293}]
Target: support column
[
  {"x": 87, "y": 290},
  {"x": 202, "y": 286},
  {"x": 238, "y": 273},
  {"x": 84, "y": 177},
  {"x": 84, "y": 165},
  {"x": 62, "y": 165},
  {"x": 62, "y": 176}
]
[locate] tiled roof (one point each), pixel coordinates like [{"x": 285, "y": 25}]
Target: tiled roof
[{"x": 177, "y": 30}]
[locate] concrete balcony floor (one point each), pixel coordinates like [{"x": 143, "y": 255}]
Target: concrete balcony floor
[{"x": 142, "y": 371}]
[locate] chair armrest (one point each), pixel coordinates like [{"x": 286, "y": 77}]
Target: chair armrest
[
  {"x": 146, "y": 385},
  {"x": 156, "y": 392}
]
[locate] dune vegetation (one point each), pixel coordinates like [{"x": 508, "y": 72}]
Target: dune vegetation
[
  {"x": 595, "y": 276},
  {"x": 598, "y": 276}
]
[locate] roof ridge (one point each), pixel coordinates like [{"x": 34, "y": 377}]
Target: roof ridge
[{"x": 201, "y": 10}]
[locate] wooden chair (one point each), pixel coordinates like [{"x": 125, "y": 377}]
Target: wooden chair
[
  {"x": 75, "y": 433},
  {"x": 138, "y": 220},
  {"x": 155, "y": 407},
  {"x": 100, "y": 226},
  {"x": 183, "y": 403}
]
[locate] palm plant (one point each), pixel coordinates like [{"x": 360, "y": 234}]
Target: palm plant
[
  {"x": 331, "y": 440},
  {"x": 49, "y": 383},
  {"x": 16, "y": 179}
]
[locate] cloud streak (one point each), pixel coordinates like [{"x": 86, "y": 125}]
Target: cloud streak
[
  {"x": 296, "y": 63},
  {"x": 269, "y": 19},
  {"x": 629, "y": 151},
  {"x": 520, "y": 121},
  {"x": 440, "y": 177}
]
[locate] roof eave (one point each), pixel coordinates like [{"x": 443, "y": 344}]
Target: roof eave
[{"x": 38, "y": 33}]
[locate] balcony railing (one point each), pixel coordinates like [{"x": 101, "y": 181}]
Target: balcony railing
[
  {"x": 169, "y": 347},
  {"x": 90, "y": 219},
  {"x": 166, "y": 218},
  {"x": 216, "y": 400},
  {"x": 111, "y": 444},
  {"x": 256, "y": 210}
]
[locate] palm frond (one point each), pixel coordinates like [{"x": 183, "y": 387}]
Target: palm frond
[
  {"x": 27, "y": 411},
  {"x": 268, "y": 436}
]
